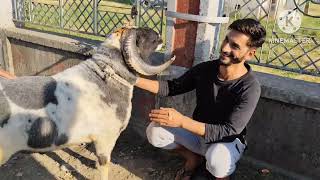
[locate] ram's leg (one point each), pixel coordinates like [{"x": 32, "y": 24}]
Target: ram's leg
[{"x": 104, "y": 146}]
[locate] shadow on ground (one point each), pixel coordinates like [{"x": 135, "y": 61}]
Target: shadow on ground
[{"x": 133, "y": 158}]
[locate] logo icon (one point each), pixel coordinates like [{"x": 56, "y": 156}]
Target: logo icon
[{"x": 289, "y": 21}]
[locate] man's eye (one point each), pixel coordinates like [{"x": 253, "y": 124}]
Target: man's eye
[{"x": 234, "y": 46}]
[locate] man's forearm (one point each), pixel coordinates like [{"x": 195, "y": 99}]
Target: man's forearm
[
  {"x": 147, "y": 84},
  {"x": 193, "y": 126}
]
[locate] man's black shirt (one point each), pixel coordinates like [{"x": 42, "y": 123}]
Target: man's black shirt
[{"x": 224, "y": 106}]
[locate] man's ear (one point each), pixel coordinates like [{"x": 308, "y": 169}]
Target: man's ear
[{"x": 252, "y": 51}]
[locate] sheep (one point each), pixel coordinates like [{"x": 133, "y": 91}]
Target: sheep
[{"x": 89, "y": 102}]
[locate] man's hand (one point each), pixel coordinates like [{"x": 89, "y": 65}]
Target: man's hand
[
  {"x": 172, "y": 118},
  {"x": 167, "y": 117}
]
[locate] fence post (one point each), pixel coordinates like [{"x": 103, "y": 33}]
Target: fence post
[
  {"x": 95, "y": 18},
  {"x": 162, "y": 15},
  {"x": 19, "y": 12},
  {"x": 15, "y": 9},
  {"x": 61, "y": 13},
  {"x": 139, "y": 12},
  {"x": 30, "y": 9}
]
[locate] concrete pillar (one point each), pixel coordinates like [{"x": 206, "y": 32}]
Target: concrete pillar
[
  {"x": 207, "y": 34},
  {"x": 6, "y": 14},
  {"x": 193, "y": 42},
  {"x": 6, "y": 21},
  {"x": 181, "y": 34}
]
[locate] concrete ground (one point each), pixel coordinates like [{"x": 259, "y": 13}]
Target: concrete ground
[{"x": 133, "y": 158}]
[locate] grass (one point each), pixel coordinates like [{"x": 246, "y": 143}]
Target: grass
[
  {"x": 64, "y": 32},
  {"x": 288, "y": 74}
]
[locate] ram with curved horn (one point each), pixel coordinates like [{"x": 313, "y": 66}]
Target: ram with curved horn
[
  {"x": 89, "y": 102},
  {"x": 134, "y": 60}
]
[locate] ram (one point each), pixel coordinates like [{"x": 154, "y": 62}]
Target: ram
[{"x": 89, "y": 102}]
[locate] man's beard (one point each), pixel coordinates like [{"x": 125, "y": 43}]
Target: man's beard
[{"x": 230, "y": 59}]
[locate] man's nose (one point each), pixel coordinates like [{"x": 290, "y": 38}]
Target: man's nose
[{"x": 226, "y": 48}]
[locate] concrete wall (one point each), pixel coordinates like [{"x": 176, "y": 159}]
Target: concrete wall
[
  {"x": 34, "y": 53},
  {"x": 285, "y": 128}
]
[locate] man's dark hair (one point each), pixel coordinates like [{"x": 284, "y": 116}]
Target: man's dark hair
[{"x": 251, "y": 28}]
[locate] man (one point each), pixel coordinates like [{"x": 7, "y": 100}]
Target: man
[
  {"x": 227, "y": 93},
  {"x": 5, "y": 74}
]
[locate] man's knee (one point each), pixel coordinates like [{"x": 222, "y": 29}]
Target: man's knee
[
  {"x": 160, "y": 137},
  {"x": 220, "y": 160}
]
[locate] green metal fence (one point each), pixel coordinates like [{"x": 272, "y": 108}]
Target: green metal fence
[
  {"x": 98, "y": 17},
  {"x": 297, "y": 52}
]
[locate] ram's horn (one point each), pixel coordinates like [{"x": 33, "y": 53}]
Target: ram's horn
[{"x": 134, "y": 60}]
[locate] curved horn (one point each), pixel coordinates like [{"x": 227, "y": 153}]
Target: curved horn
[{"x": 134, "y": 60}]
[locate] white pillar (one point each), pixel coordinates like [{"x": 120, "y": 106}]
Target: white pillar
[
  {"x": 207, "y": 34},
  {"x": 171, "y": 6},
  {"x": 6, "y": 21},
  {"x": 6, "y": 14}
]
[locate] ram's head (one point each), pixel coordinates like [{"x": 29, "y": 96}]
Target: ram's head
[{"x": 137, "y": 44}]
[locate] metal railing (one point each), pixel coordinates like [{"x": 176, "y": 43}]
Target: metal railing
[{"x": 98, "y": 17}]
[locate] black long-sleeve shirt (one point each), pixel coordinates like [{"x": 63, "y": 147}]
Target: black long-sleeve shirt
[{"x": 224, "y": 106}]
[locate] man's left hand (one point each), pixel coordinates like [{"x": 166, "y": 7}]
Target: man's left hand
[{"x": 167, "y": 117}]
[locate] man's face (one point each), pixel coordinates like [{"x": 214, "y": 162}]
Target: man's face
[{"x": 235, "y": 49}]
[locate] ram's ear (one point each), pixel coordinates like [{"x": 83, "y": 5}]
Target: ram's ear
[
  {"x": 119, "y": 32},
  {"x": 130, "y": 24}
]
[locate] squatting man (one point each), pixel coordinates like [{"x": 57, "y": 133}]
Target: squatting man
[{"x": 227, "y": 93}]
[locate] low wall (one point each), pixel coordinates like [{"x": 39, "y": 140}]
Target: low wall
[
  {"x": 285, "y": 128},
  {"x": 283, "y": 131},
  {"x": 28, "y": 52}
]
